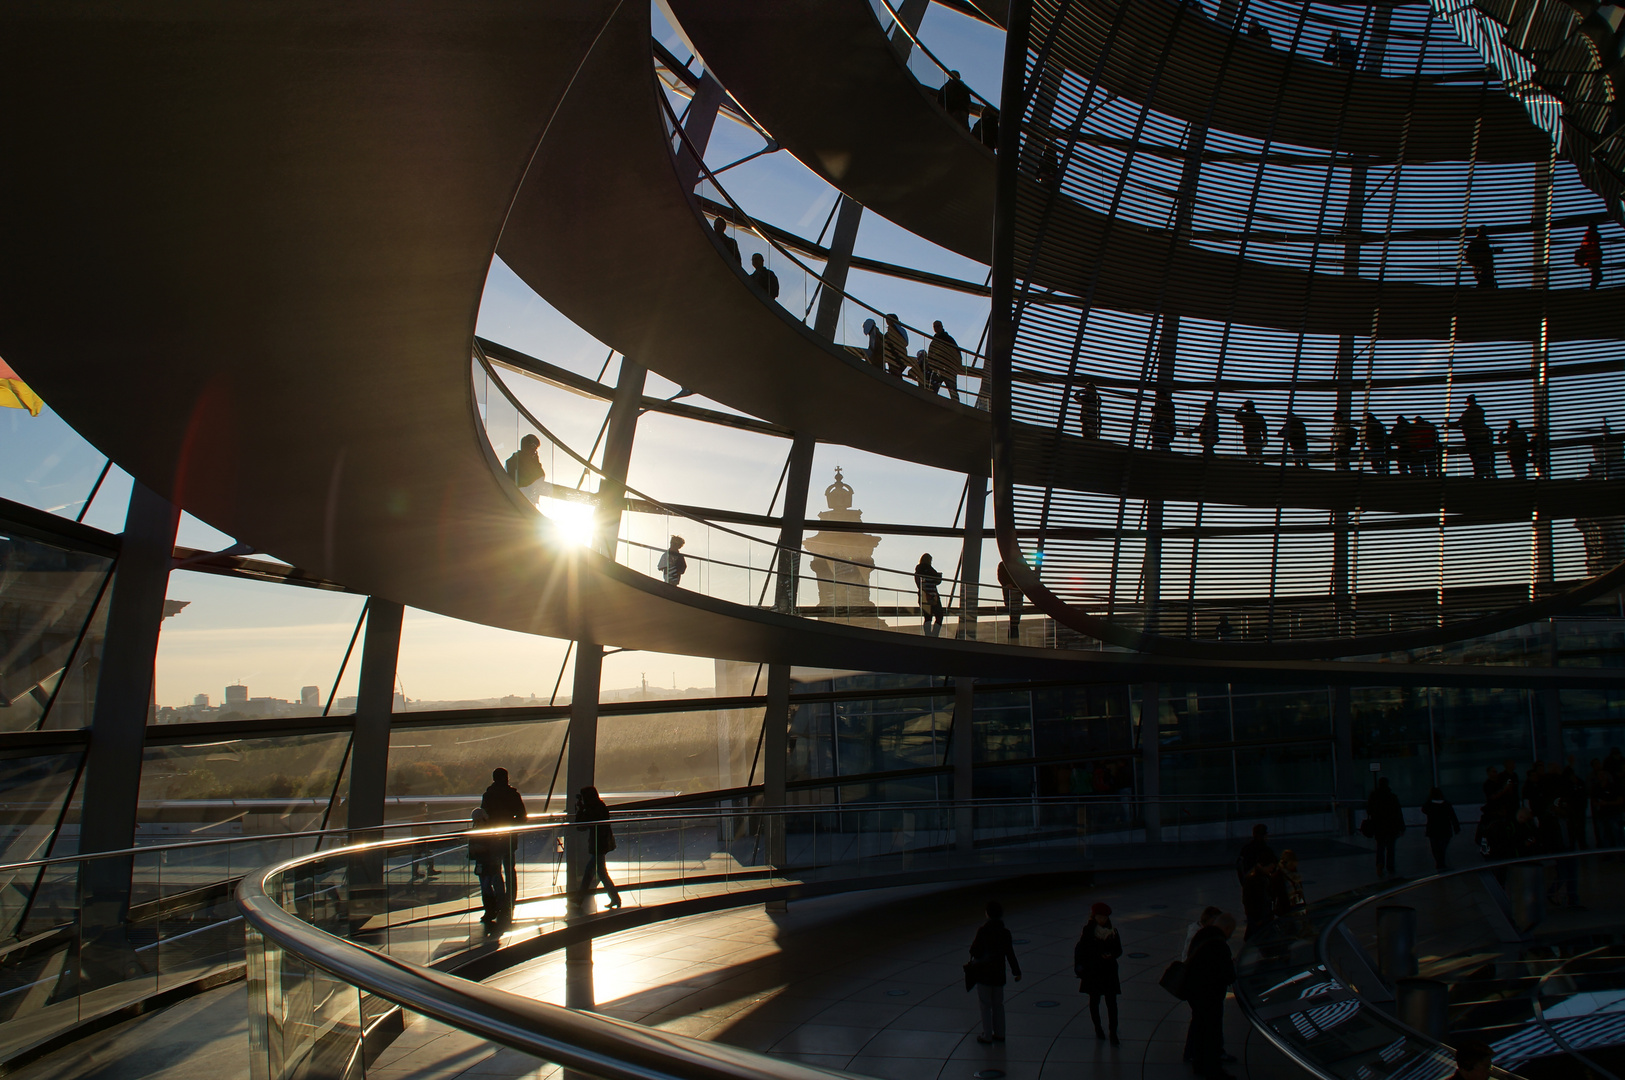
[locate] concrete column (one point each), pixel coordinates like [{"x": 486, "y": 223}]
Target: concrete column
[
  {"x": 793, "y": 525},
  {"x": 775, "y": 758},
  {"x": 112, "y": 782},
  {"x": 697, "y": 125},
  {"x": 581, "y": 763},
  {"x": 1151, "y": 760},
  {"x": 970, "y": 562},
  {"x": 827, "y": 324},
  {"x": 374, "y": 708},
  {"x": 624, "y": 409},
  {"x": 963, "y": 742}
]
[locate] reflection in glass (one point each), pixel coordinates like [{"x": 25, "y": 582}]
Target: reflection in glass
[{"x": 47, "y": 595}]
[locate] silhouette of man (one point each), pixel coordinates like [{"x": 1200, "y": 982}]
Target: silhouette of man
[
  {"x": 765, "y": 280},
  {"x": 927, "y": 579},
  {"x": 1516, "y": 441},
  {"x": 1376, "y": 443},
  {"x": 1254, "y": 432},
  {"x": 1088, "y": 399},
  {"x": 1481, "y": 257},
  {"x": 672, "y": 565},
  {"x": 1163, "y": 421},
  {"x": 729, "y": 244},
  {"x": 503, "y": 806},
  {"x": 944, "y": 361},
  {"x": 1480, "y": 440},
  {"x": 896, "y": 345},
  {"x": 1296, "y": 438},
  {"x": 524, "y": 467},
  {"x": 1341, "y": 52},
  {"x": 1589, "y": 254},
  {"x": 986, "y": 130},
  {"x": 1207, "y": 429}
]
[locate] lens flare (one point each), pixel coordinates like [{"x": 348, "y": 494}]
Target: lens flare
[{"x": 568, "y": 522}]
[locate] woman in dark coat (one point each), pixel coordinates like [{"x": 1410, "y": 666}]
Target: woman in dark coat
[
  {"x": 592, "y": 817},
  {"x": 1094, "y": 961},
  {"x": 1442, "y": 825}
]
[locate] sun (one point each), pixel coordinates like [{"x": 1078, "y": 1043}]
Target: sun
[{"x": 571, "y": 523}]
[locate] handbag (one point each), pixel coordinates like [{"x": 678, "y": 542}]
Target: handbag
[
  {"x": 1174, "y": 979},
  {"x": 971, "y": 968}
]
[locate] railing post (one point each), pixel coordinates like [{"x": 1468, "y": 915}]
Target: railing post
[
  {"x": 118, "y": 733},
  {"x": 970, "y": 562}
]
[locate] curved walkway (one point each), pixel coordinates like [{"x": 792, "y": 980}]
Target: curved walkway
[{"x": 858, "y": 117}]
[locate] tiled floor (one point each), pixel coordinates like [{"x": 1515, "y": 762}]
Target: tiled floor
[
  {"x": 868, "y": 982},
  {"x": 871, "y": 983}
]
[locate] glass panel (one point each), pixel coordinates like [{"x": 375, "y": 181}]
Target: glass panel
[
  {"x": 658, "y": 755},
  {"x": 438, "y": 773},
  {"x": 1475, "y": 729},
  {"x": 1391, "y": 731},
  {"x": 232, "y": 649},
  {"x": 238, "y": 787},
  {"x": 450, "y": 664},
  {"x": 47, "y": 594},
  {"x": 32, "y": 791}
]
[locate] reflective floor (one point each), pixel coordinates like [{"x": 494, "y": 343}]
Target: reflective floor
[{"x": 869, "y": 982}]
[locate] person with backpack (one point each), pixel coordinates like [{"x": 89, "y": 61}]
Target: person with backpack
[
  {"x": 1094, "y": 962},
  {"x": 485, "y": 852},
  {"x": 989, "y": 951},
  {"x": 592, "y": 818},
  {"x": 672, "y": 565}
]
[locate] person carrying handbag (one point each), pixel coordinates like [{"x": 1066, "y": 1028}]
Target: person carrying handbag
[{"x": 1094, "y": 962}]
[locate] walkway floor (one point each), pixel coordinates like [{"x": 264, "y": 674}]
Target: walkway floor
[{"x": 867, "y": 981}]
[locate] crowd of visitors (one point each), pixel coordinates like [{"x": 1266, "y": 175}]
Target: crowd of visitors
[
  {"x": 933, "y": 368},
  {"x": 1544, "y": 812},
  {"x": 1411, "y": 446}
]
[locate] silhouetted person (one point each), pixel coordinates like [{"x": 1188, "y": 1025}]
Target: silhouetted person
[
  {"x": 1516, "y": 441},
  {"x": 1088, "y": 410},
  {"x": 1094, "y": 962},
  {"x": 875, "y": 352},
  {"x": 765, "y": 280},
  {"x": 672, "y": 565},
  {"x": 897, "y": 359},
  {"x": 1442, "y": 824},
  {"x": 1222, "y": 629},
  {"x": 1296, "y": 438},
  {"x": 1481, "y": 257},
  {"x": 1255, "y": 433},
  {"x": 1425, "y": 446},
  {"x": 927, "y": 579},
  {"x": 1589, "y": 254},
  {"x": 1375, "y": 436},
  {"x": 1343, "y": 439},
  {"x": 920, "y": 371},
  {"x": 1012, "y": 600},
  {"x": 504, "y": 807},
  {"x": 986, "y": 130},
  {"x": 1263, "y": 896},
  {"x": 1341, "y": 52},
  {"x": 485, "y": 852},
  {"x": 1387, "y": 823},
  {"x": 1404, "y": 447},
  {"x": 592, "y": 818},
  {"x": 1480, "y": 440},
  {"x": 1473, "y": 1060},
  {"x": 1163, "y": 421},
  {"x": 1207, "y": 428},
  {"x": 944, "y": 361},
  {"x": 1209, "y": 971},
  {"x": 1254, "y": 851},
  {"x": 1260, "y": 33},
  {"x": 954, "y": 96},
  {"x": 729, "y": 244},
  {"x": 989, "y": 951},
  {"x": 524, "y": 467}
]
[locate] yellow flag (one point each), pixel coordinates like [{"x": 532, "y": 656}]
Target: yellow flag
[{"x": 15, "y": 394}]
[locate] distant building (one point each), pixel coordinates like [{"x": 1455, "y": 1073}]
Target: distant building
[
  {"x": 201, "y": 701},
  {"x": 237, "y": 694},
  {"x": 310, "y": 695}
]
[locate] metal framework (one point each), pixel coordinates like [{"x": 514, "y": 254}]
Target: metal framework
[{"x": 1332, "y": 415}]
